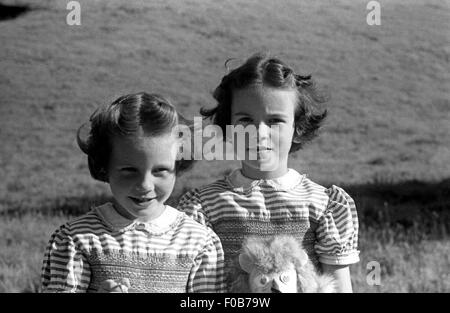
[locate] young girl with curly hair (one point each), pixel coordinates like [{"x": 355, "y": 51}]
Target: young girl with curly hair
[
  {"x": 264, "y": 197},
  {"x": 135, "y": 243}
]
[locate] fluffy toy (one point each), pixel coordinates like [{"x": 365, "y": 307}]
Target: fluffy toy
[{"x": 277, "y": 264}]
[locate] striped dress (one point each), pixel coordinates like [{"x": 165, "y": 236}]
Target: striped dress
[
  {"x": 323, "y": 220},
  {"x": 172, "y": 253}
]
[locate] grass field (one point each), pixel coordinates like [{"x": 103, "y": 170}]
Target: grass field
[
  {"x": 386, "y": 140},
  {"x": 407, "y": 235}
]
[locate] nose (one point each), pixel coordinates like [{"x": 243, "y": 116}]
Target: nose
[
  {"x": 275, "y": 287},
  {"x": 146, "y": 183},
  {"x": 263, "y": 131}
]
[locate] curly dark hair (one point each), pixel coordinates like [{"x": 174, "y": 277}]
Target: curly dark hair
[
  {"x": 270, "y": 71},
  {"x": 126, "y": 116}
]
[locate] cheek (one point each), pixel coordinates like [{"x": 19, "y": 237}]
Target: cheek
[
  {"x": 283, "y": 137},
  {"x": 117, "y": 182},
  {"x": 287, "y": 141},
  {"x": 118, "y": 188},
  {"x": 288, "y": 132},
  {"x": 165, "y": 185}
]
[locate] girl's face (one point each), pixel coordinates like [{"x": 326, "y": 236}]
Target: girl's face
[
  {"x": 142, "y": 174},
  {"x": 271, "y": 111}
]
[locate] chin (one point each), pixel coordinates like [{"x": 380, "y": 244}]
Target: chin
[{"x": 264, "y": 166}]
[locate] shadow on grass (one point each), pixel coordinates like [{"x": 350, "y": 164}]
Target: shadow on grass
[
  {"x": 410, "y": 204},
  {"x": 70, "y": 206},
  {"x": 10, "y": 12}
]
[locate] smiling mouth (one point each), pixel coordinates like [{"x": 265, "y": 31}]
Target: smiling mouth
[{"x": 141, "y": 200}]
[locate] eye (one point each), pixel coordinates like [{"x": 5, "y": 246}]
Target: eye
[
  {"x": 275, "y": 121},
  {"x": 284, "y": 278},
  {"x": 263, "y": 280},
  {"x": 162, "y": 170},
  {"x": 245, "y": 120},
  {"x": 128, "y": 170}
]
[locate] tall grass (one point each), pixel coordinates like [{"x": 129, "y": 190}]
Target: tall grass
[
  {"x": 413, "y": 251},
  {"x": 409, "y": 261},
  {"x": 22, "y": 243}
]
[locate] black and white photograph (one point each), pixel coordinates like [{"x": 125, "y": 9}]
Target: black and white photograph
[{"x": 224, "y": 147}]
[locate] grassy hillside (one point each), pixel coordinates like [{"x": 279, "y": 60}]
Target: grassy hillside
[
  {"x": 389, "y": 108},
  {"x": 386, "y": 139}
]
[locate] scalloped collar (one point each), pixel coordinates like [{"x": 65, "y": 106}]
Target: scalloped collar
[
  {"x": 239, "y": 182},
  {"x": 163, "y": 223}
]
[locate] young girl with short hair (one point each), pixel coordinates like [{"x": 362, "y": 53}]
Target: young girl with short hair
[
  {"x": 137, "y": 242},
  {"x": 264, "y": 197}
]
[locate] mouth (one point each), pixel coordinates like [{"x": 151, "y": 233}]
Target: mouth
[
  {"x": 259, "y": 149},
  {"x": 259, "y": 153},
  {"x": 142, "y": 201}
]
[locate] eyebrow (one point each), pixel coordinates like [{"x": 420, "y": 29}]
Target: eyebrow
[
  {"x": 159, "y": 165},
  {"x": 241, "y": 113},
  {"x": 164, "y": 165},
  {"x": 279, "y": 115}
]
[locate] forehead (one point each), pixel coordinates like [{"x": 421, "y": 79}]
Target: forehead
[
  {"x": 264, "y": 99},
  {"x": 138, "y": 149}
]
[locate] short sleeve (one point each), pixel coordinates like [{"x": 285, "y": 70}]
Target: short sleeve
[
  {"x": 337, "y": 232},
  {"x": 65, "y": 268},
  {"x": 191, "y": 204},
  {"x": 207, "y": 274}
]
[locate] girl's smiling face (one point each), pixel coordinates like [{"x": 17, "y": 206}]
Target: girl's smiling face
[
  {"x": 141, "y": 174},
  {"x": 271, "y": 111}
]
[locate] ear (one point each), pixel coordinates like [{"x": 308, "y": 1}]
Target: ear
[
  {"x": 296, "y": 140},
  {"x": 297, "y": 134},
  {"x": 246, "y": 262},
  {"x": 303, "y": 258}
]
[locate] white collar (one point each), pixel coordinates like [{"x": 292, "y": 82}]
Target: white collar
[
  {"x": 166, "y": 221},
  {"x": 239, "y": 182}
]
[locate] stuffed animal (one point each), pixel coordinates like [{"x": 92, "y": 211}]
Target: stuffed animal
[{"x": 279, "y": 265}]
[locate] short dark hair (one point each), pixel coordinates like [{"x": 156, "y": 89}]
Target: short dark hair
[
  {"x": 126, "y": 116},
  {"x": 271, "y": 71}
]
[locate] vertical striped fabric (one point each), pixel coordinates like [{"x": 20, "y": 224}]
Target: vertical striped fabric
[
  {"x": 323, "y": 220},
  {"x": 182, "y": 256}
]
